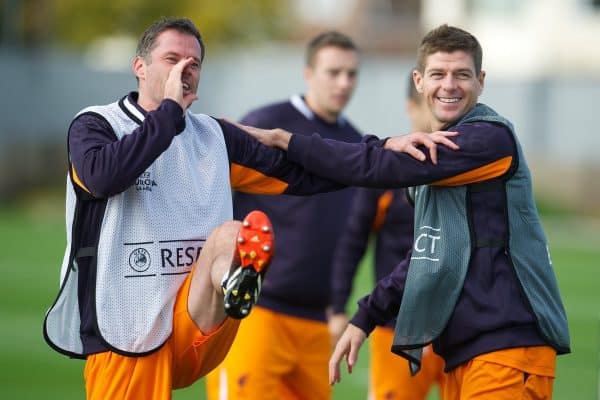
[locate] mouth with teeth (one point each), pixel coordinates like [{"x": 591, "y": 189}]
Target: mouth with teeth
[
  {"x": 449, "y": 100},
  {"x": 186, "y": 86}
]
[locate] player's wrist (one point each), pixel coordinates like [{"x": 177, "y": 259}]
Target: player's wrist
[{"x": 282, "y": 139}]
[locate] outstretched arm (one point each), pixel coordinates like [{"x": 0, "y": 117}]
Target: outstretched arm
[
  {"x": 487, "y": 151},
  {"x": 408, "y": 144}
]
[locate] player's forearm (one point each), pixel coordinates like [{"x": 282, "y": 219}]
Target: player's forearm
[
  {"x": 365, "y": 164},
  {"x": 383, "y": 303}
]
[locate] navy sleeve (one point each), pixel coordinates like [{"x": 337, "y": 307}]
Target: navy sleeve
[
  {"x": 383, "y": 304},
  {"x": 106, "y": 166},
  {"x": 257, "y": 168},
  {"x": 486, "y": 151},
  {"x": 352, "y": 245}
]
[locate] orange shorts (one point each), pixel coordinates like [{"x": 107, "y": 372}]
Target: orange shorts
[
  {"x": 524, "y": 373},
  {"x": 187, "y": 355},
  {"x": 274, "y": 357},
  {"x": 389, "y": 375}
]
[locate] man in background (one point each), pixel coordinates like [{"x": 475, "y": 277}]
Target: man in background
[
  {"x": 282, "y": 349},
  {"x": 388, "y": 215}
]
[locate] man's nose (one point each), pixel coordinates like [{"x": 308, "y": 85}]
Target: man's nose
[
  {"x": 346, "y": 80},
  {"x": 449, "y": 82}
]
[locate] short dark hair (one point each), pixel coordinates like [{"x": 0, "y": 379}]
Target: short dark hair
[
  {"x": 147, "y": 41},
  {"x": 448, "y": 39},
  {"x": 326, "y": 39}
]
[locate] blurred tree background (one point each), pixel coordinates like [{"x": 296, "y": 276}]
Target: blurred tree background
[{"x": 75, "y": 23}]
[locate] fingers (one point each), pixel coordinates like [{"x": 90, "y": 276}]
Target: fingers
[
  {"x": 431, "y": 140},
  {"x": 444, "y": 133},
  {"x": 347, "y": 347},
  {"x": 415, "y": 153},
  {"x": 250, "y": 130},
  {"x": 441, "y": 137},
  {"x": 277, "y": 137},
  {"x": 356, "y": 340},
  {"x": 431, "y": 145},
  {"x": 334, "y": 364},
  {"x": 409, "y": 144},
  {"x": 180, "y": 66}
]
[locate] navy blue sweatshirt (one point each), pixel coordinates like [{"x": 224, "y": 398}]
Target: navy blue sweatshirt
[
  {"x": 492, "y": 312},
  {"x": 388, "y": 215},
  {"x": 306, "y": 228}
]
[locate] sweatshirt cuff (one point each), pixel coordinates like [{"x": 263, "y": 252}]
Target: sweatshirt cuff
[
  {"x": 362, "y": 320},
  {"x": 176, "y": 112}
]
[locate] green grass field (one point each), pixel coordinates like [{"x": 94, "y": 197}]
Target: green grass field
[{"x": 32, "y": 241}]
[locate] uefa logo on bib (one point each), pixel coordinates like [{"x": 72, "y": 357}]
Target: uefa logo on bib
[{"x": 139, "y": 260}]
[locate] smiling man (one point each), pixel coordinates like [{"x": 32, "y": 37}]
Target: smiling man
[{"x": 479, "y": 282}]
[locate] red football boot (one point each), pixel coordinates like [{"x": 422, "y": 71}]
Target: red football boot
[{"x": 255, "y": 244}]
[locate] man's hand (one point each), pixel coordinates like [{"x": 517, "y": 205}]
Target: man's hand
[
  {"x": 176, "y": 89},
  {"x": 408, "y": 143},
  {"x": 277, "y": 137},
  {"x": 336, "y": 324},
  {"x": 347, "y": 346}
]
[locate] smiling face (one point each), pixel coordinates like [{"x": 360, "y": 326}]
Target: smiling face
[
  {"x": 450, "y": 86},
  {"x": 330, "y": 80},
  {"x": 152, "y": 70}
]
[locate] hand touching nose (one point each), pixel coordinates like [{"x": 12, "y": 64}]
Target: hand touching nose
[{"x": 174, "y": 86}]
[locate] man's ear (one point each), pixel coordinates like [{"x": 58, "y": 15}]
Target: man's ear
[
  {"x": 481, "y": 79},
  {"x": 138, "y": 66},
  {"x": 307, "y": 72},
  {"x": 418, "y": 80}
]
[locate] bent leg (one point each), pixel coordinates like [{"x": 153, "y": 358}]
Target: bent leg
[
  {"x": 217, "y": 258},
  {"x": 228, "y": 274},
  {"x": 202, "y": 332},
  {"x": 201, "y": 336}
]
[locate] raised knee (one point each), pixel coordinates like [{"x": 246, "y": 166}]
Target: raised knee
[
  {"x": 231, "y": 226},
  {"x": 228, "y": 229}
]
